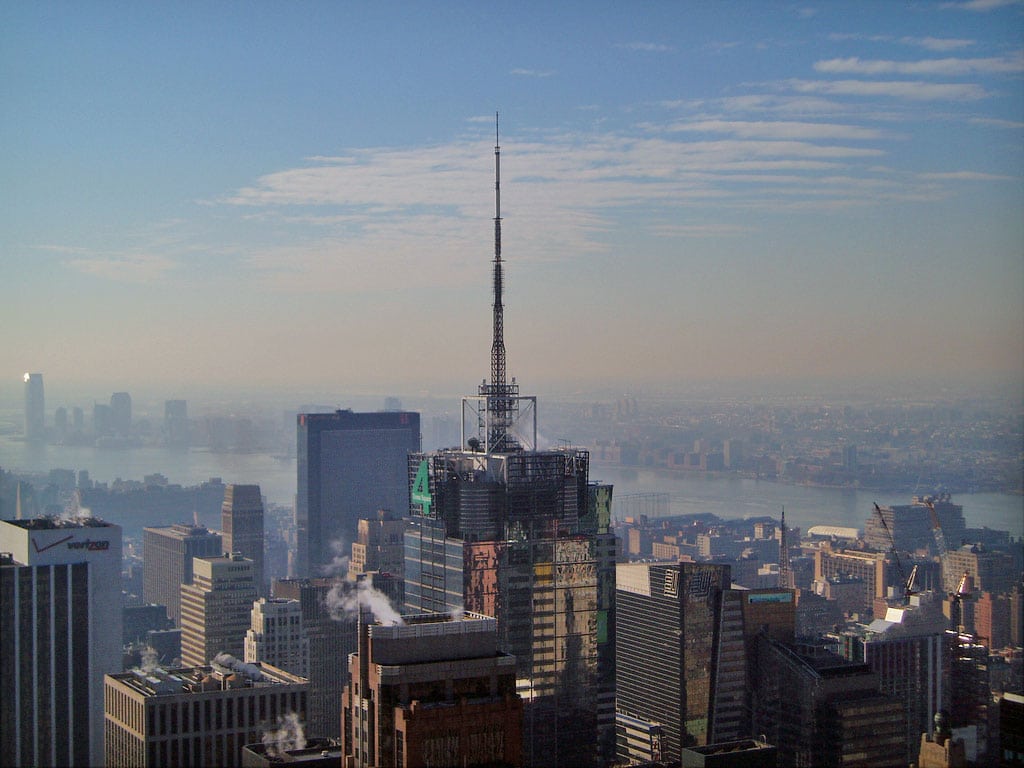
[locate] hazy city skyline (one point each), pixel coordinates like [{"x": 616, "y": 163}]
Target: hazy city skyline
[{"x": 264, "y": 196}]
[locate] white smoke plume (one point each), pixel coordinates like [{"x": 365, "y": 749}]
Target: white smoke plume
[
  {"x": 288, "y": 736},
  {"x": 339, "y": 563},
  {"x": 346, "y": 597},
  {"x": 148, "y": 660}
]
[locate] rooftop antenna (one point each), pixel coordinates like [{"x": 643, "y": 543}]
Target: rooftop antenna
[
  {"x": 502, "y": 402},
  {"x": 785, "y": 570},
  {"x": 498, "y": 339}
]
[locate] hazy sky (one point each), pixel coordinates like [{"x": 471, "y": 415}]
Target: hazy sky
[{"x": 299, "y": 194}]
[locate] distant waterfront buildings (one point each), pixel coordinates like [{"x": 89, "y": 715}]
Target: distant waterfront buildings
[
  {"x": 102, "y": 420},
  {"x": 168, "y": 552},
  {"x": 867, "y": 567},
  {"x": 121, "y": 413},
  {"x": 242, "y": 527},
  {"x": 349, "y": 465},
  {"x": 989, "y": 570},
  {"x": 176, "y": 423},
  {"x": 60, "y": 423},
  {"x": 35, "y": 408},
  {"x": 911, "y": 525},
  {"x": 215, "y": 608},
  {"x": 60, "y": 632}
]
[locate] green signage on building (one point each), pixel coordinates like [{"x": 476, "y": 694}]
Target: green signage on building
[{"x": 421, "y": 489}]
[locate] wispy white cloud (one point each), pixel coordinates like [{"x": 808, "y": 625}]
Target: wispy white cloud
[
  {"x": 902, "y": 89},
  {"x": 982, "y": 6},
  {"x": 928, "y": 43},
  {"x": 927, "y": 67},
  {"x": 722, "y": 45},
  {"x": 782, "y": 104},
  {"x": 363, "y": 216},
  {"x": 521, "y": 72},
  {"x": 643, "y": 46},
  {"x": 698, "y": 230},
  {"x": 998, "y": 122},
  {"x": 127, "y": 269},
  {"x": 805, "y": 131},
  {"x": 966, "y": 176},
  {"x": 938, "y": 43}
]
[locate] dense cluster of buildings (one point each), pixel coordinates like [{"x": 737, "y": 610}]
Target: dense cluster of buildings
[{"x": 478, "y": 605}]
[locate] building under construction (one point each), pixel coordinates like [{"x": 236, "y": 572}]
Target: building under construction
[
  {"x": 504, "y": 529},
  {"x": 924, "y": 524}
]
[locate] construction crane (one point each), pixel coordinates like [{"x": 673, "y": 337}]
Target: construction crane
[
  {"x": 955, "y": 600},
  {"x": 906, "y": 581},
  {"x": 937, "y": 533}
]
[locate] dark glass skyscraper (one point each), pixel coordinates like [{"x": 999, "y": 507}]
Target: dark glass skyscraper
[
  {"x": 349, "y": 466},
  {"x": 680, "y": 660}
]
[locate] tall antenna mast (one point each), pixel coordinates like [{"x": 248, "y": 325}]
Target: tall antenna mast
[
  {"x": 498, "y": 338},
  {"x": 785, "y": 570},
  {"x": 501, "y": 398}
]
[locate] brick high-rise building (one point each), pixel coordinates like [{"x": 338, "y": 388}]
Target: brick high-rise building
[
  {"x": 433, "y": 690},
  {"x": 870, "y": 567},
  {"x": 992, "y": 619},
  {"x": 990, "y": 570}
]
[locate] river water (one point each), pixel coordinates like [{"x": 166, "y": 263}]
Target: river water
[{"x": 727, "y": 497}]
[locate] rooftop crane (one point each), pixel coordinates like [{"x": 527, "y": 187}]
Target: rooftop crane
[
  {"x": 956, "y": 599},
  {"x": 937, "y": 533},
  {"x": 907, "y": 581}
]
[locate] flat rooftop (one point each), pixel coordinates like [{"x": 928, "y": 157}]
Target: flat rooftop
[
  {"x": 57, "y": 523},
  {"x": 434, "y": 624},
  {"x": 172, "y": 682}
]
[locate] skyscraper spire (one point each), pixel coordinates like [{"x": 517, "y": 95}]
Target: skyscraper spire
[
  {"x": 502, "y": 402},
  {"x": 785, "y": 572},
  {"x": 498, "y": 338}
]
